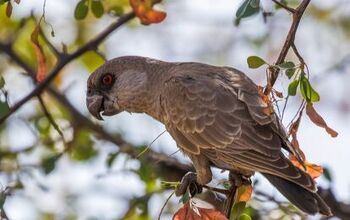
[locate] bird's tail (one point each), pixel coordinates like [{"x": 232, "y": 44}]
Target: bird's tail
[{"x": 305, "y": 200}]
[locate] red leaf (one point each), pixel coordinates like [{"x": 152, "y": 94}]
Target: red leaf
[
  {"x": 145, "y": 12},
  {"x": 41, "y": 60},
  {"x": 190, "y": 212},
  {"x": 318, "y": 120}
]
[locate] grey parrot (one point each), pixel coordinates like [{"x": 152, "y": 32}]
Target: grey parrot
[{"x": 215, "y": 115}]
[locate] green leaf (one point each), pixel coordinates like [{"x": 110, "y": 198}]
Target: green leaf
[
  {"x": 48, "y": 164},
  {"x": 2, "y": 198},
  {"x": 308, "y": 93},
  {"x": 185, "y": 197},
  {"x": 290, "y": 72},
  {"x": 2, "y": 82},
  {"x": 111, "y": 159},
  {"x": 305, "y": 88},
  {"x": 244, "y": 217},
  {"x": 255, "y": 62},
  {"x": 97, "y": 8},
  {"x": 18, "y": 184},
  {"x": 92, "y": 60},
  {"x": 287, "y": 65},
  {"x": 237, "y": 210},
  {"x": 81, "y": 10},
  {"x": 117, "y": 10},
  {"x": 4, "y": 108},
  {"x": 82, "y": 148},
  {"x": 292, "y": 88},
  {"x": 247, "y": 9},
  {"x": 327, "y": 174},
  {"x": 3, "y": 2}
]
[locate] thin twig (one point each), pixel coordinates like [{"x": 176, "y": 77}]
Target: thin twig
[
  {"x": 291, "y": 10},
  {"x": 296, "y": 52},
  {"x": 148, "y": 146},
  {"x": 50, "y": 118},
  {"x": 54, "y": 50},
  {"x": 284, "y": 107},
  {"x": 166, "y": 202}
]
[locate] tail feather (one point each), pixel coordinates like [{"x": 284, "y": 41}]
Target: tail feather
[{"x": 305, "y": 200}]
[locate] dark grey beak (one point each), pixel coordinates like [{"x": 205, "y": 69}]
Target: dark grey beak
[{"x": 95, "y": 105}]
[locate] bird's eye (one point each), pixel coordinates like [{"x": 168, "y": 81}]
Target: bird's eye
[{"x": 107, "y": 79}]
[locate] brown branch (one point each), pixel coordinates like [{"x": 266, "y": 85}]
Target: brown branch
[
  {"x": 297, "y": 15},
  {"x": 229, "y": 202},
  {"x": 167, "y": 163},
  {"x": 64, "y": 60}
]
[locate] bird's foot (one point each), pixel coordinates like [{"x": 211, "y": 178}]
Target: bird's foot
[
  {"x": 189, "y": 181},
  {"x": 238, "y": 179}
]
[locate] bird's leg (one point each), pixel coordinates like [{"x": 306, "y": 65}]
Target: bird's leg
[
  {"x": 189, "y": 181},
  {"x": 195, "y": 181},
  {"x": 238, "y": 179}
]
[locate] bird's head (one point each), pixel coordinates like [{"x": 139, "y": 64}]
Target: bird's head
[{"x": 118, "y": 85}]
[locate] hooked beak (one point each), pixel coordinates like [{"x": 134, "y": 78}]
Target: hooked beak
[{"x": 95, "y": 105}]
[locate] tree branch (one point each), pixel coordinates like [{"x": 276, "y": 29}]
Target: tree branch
[
  {"x": 297, "y": 15},
  {"x": 64, "y": 60}
]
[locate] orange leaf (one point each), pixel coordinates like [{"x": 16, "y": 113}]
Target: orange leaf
[
  {"x": 318, "y": 120},
  {"x": 312, "y": 169},
  {"x": 41, "y": 60},
  {"x": 145, "y": 12},
  {"x": 268, "y": 109},
  {"x": 190, "y": 212},
  {"x": 295, "y": 143},
  {"x": 244, "y": 193}
]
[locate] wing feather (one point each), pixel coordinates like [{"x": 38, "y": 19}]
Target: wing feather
[{"x": 221, "y": 115}]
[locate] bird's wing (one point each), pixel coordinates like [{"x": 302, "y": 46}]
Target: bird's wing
[{"x": 224, "y": 117}]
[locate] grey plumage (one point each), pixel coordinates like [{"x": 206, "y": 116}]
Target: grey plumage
[{"x": 215, "y": 115}]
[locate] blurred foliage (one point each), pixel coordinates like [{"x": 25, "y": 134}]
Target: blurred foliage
[{"x": 78, "y": 145}]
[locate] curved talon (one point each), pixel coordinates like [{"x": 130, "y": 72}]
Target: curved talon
[{"x": 189, "y": 181}]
